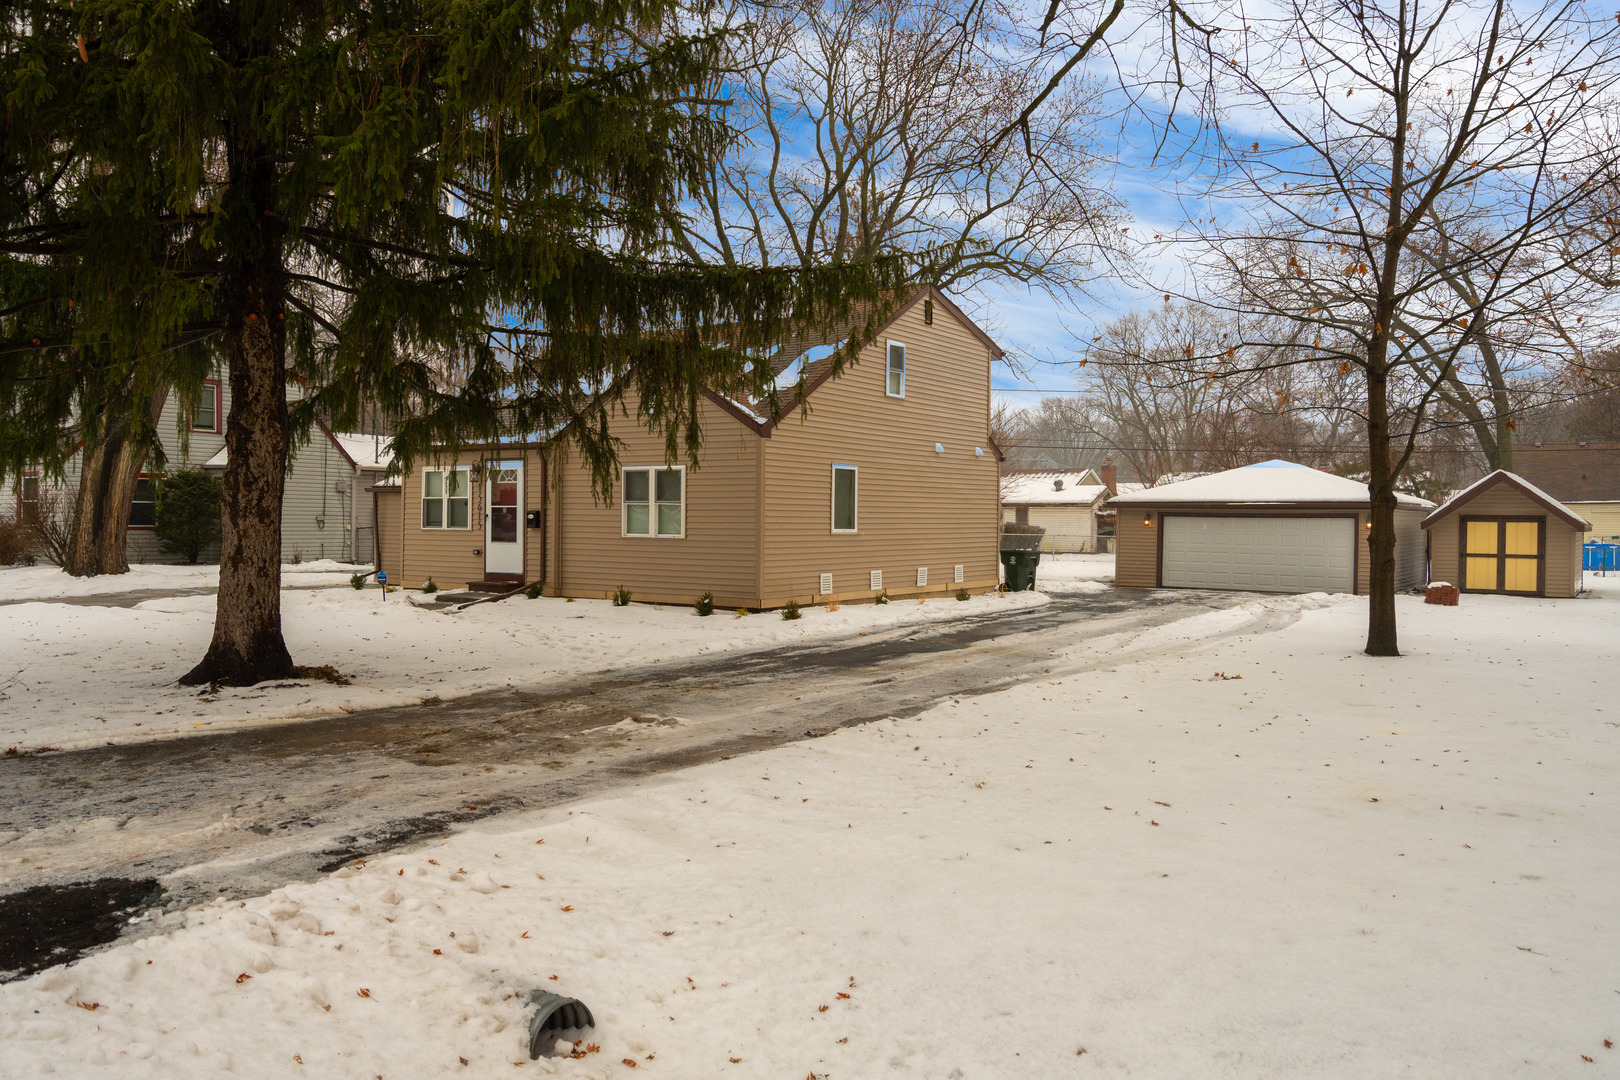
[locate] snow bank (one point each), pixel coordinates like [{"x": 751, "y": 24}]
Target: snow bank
[
  {"x": 47, "y": 582},
  {"x": 1273, "y": 857},
  {"x": 85, "y": 676}
]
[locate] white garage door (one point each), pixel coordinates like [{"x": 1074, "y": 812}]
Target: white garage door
[{"x": 1262, "y": 554}]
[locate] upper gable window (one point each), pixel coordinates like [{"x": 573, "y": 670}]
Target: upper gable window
[
  {"x": 897, "y": 370},
  {"x": 206, "y": 416}
]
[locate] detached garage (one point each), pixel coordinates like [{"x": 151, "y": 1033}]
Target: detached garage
[{"x": 1274, "y": 527}]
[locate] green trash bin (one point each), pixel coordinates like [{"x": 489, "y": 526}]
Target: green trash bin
[
  {"x": 1020, "y": 569},
  {"x": 1020, "y": 554}
]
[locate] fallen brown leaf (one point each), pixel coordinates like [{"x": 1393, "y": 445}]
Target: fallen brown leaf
[
  {"x": 242, "y": 978},
  {"x": 92, "y": 1006},
  {"x": 362, "y": 992}
]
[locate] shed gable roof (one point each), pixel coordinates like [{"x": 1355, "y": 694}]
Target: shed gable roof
[{"x": 1519, "y": 484}]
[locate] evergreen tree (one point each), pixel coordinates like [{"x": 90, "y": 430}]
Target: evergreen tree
[
  {"x": 187, "y": 513},
  {"x": 451, "y": 207}
]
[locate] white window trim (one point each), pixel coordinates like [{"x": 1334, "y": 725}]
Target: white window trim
[
  {"x": 905, "y": 355},
  {"x": 832, "y": 504},
  {"x": 444, "y": 498},
  {"x": 652, "y": 532}
]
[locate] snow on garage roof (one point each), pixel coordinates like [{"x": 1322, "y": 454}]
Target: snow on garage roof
[
  {"x": 1270, "y": 482},
  {"x": 1051, "y": 489}
]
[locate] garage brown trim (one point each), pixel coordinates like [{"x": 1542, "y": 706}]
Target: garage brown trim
[
  {"x": 1355, "y": 529},
  {"x": 1500, "y": 555}
]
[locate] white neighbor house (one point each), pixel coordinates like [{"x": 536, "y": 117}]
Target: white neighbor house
[
  {"x": 1064, "y": 503},
  {"x": 327, "y": 510}
]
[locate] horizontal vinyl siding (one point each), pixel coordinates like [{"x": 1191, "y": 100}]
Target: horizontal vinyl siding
[
  {"x": 719, "y": 553},
  {"x": 389, "y": 531},
  {"x": 315, "y": 507},
  {"x": 1136, "y": 549},
  {"x": 1068, "y": 528},
  {"x": 1605, "y": 519},
  {"x": 454, "y": 557},
  {"x": 1443, "y": 552},
  {"x": 916, "y": 507},
  {"x": 1409, "y": 541}
]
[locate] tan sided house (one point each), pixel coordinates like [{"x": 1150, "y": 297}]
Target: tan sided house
[
  {"x": 890, "y": 485},
  {"x": 1272, "y": 527},
  {"x": 1505, "y": 535}
]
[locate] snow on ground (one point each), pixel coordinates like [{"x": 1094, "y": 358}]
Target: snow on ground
[
  {"x": 76, "y": 676},
  {"x": 1271, "y": 857},
  {"x": 48, "y": 582},
  {"x": 1069, "y": 574}
]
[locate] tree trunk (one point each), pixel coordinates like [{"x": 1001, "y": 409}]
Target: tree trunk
[
  {"x": 1381, "y": 637},
  {"x": 247, "y": 645},
  {"x": 111, "y": 465}
]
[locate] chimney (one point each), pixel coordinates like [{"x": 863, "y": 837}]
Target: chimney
[{"x": 1110, "y": 477}]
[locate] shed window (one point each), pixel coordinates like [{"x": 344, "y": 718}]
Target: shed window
[
  {"x": 845, "y": 487},
  {"x": 445, "y": 502},
  {"x": 655, "y": 502},
  {"x": 143, "y": 508},
  {"x": 897, "y": 370}
]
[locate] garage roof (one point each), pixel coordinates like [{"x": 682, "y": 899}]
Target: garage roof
[{"x": 1269, "y": 483}]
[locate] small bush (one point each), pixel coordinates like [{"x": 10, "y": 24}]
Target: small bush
[
  {"x": 882, "y": 598},
  {"x": 297, "y": 558},
  {"x": 533, "y": 591},
  {"x": 832, "y": 605},
  {"x": 961, "y": 594},
  {"x": 621, "y": 597},
  {"x": 742, "y": 613},
  {"x": 790, "y": 610},
  {"x": 187, "y": 518},
  {"x": 357, "y": 581},
  {"x": 705, "y": 604},
  {"x": 16, "y": 544},
  {"x": 428, "y": 586}
]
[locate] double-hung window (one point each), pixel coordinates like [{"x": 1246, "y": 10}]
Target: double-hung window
[
  {"x": 206, "y": 415},
  {"x": 897, "y": 370},
  {"x": 143, "y": 507},
  {"x": 445, "y": 498},
  {"x": 844, "y": 492},
  {"x": 655, "y": 502}
]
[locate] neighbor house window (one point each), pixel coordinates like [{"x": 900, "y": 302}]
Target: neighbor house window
[
  {"x": 143, "y": 508},
  {"x": 444, "y": 498},
  {"x": 897, "y": 369},
  {"x": 844, "y": 492},
  {"x": 28, "y": 500},
  {"x": 655, "y": 502},
  {"x": 206, "y": 416}
]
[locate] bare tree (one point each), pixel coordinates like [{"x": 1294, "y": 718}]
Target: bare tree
[
  {"x": 874, "y": 126},
  {"x": 1377, "y": 115}
]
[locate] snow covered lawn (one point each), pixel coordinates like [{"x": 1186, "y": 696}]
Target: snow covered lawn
[
  {"x": 48, "y": 582},
  {"x": 74, "y": 676},
  {"x": 1069, "y": 574},
  {"x": 1268, "y": 857}
]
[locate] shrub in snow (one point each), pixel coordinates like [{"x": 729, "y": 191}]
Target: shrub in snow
[
  {"x": 705, "y": 604},
  {"x": 742, "y": 612},
  {"x": 621, "y": 597},
  {"x": 358, "y": 581},
  {"x": 533, "y": 591},
  {"x": 882, "y": 598},
  {"x": 187, "y": 516},
  {"x": 961, "y": 594},
  {"x": 429, "y": 587},
  {"x": 790, "y": 610},
  {"x": 16, "y": 543}
]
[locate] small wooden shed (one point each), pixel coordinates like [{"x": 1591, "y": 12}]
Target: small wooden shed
[{"x": 1505, "y": 535}]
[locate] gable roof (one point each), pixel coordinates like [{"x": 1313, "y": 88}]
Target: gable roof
[
  {"x": 1519, "y": 484},
  {"x": 1052, "y": 488},
  {"x": 360, "y": 451},
  {"x": 1574, "y": 472},
  {"x": 1269, "y": 483},
  {"x": 815, "y": 361}
]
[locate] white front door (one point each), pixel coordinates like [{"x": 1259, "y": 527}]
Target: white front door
[
  {"x": 1263, "y": 554},
  {"x": 503, "y": 517}
]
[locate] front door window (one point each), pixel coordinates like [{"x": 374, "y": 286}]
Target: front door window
[{"x": 503, "y": 507}]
